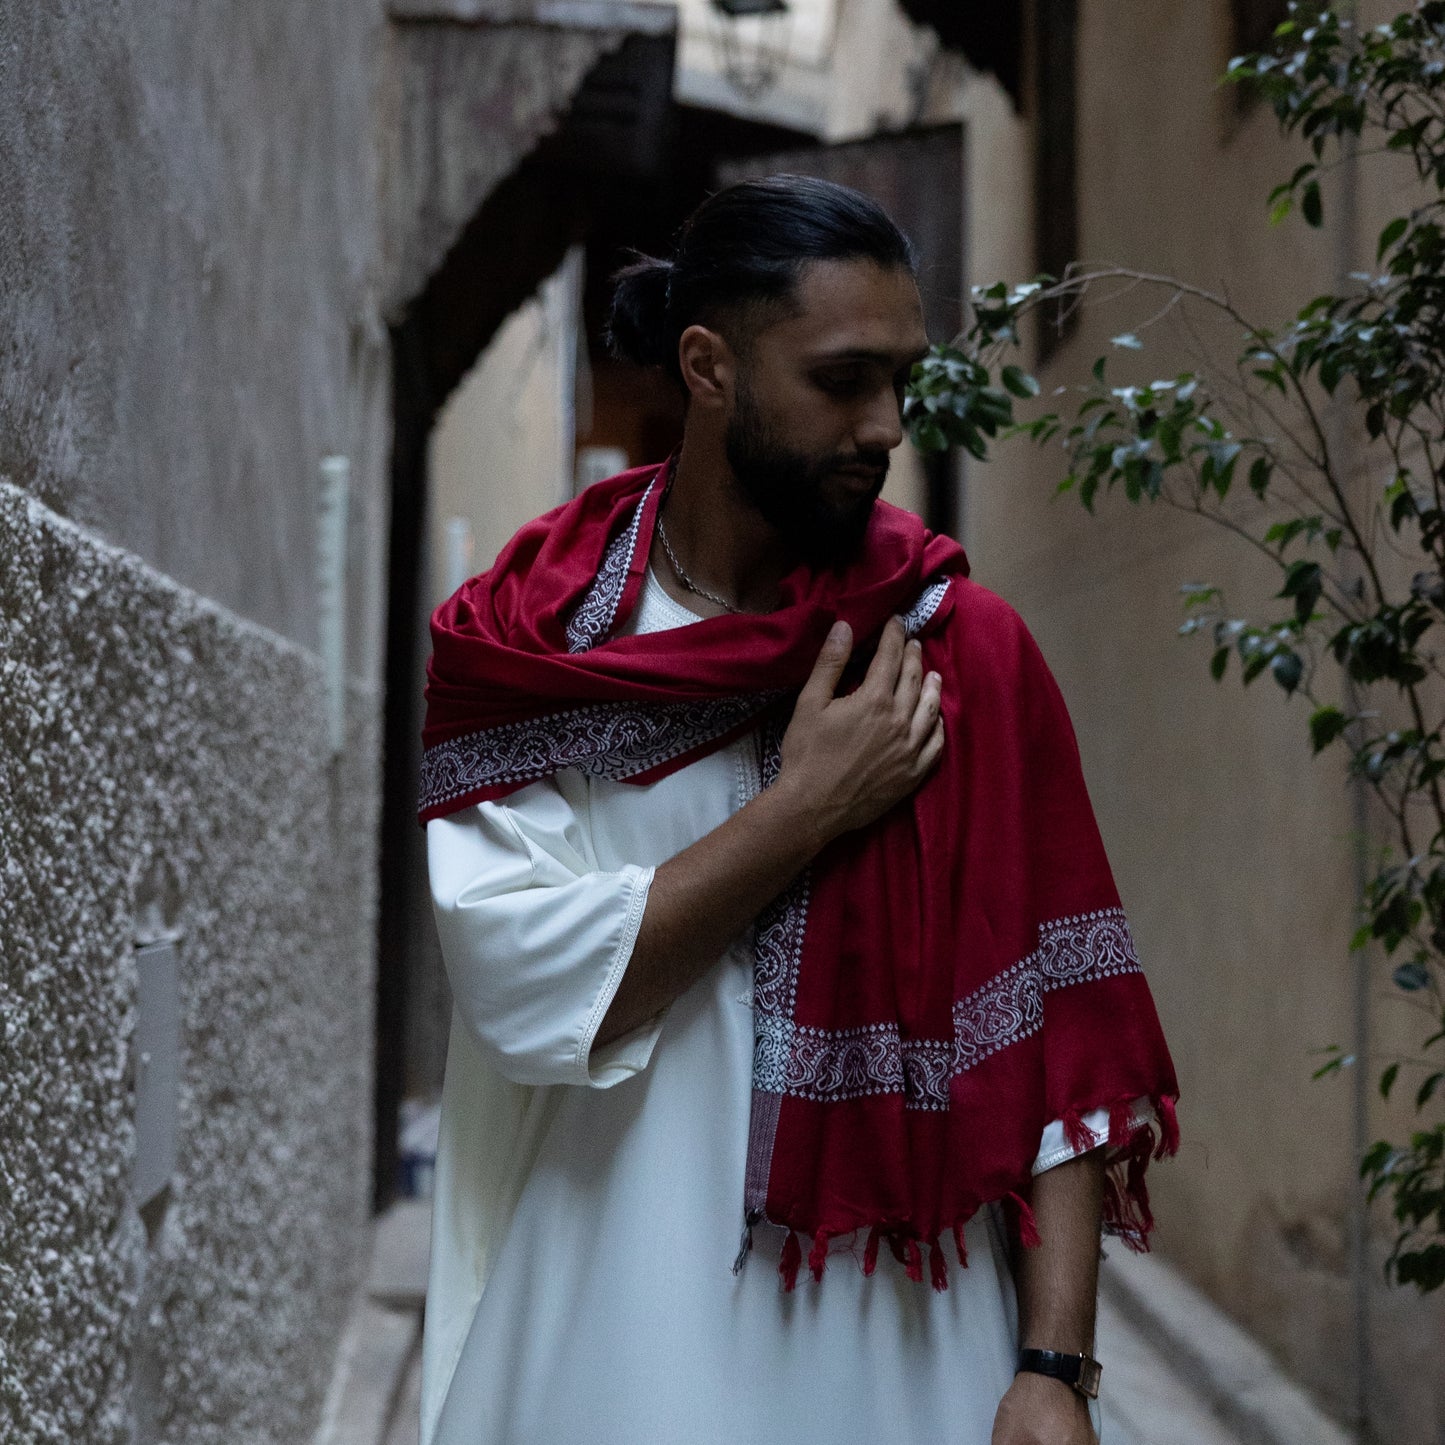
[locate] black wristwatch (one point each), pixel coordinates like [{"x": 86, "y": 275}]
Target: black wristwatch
[{"x": 1078, "y": 1371}]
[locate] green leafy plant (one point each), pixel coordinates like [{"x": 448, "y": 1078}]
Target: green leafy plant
[{"x": 1319, "y": 443}]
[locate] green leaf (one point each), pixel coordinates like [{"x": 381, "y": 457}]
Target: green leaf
[
  {"x": 1311, "y": 206},
  {"x": 1376, "y": 1158},
  {"x": 1303, "y": 581},
  {"x": 1390, "y": 235},
  {"x": 1272, "y": 376},
  {"x": 1326, "y": 724},
  {"x": 1411, "y": 977},
  {"x": 1387, "y": 1080},
  {"x": 1218, "y": 663},
  {"x": 1338, "y": 1060},
  {"x": 1018, "y": 381},
  {"x": 1288, "y": 668},
  {"x": 1424, "y": 1268},
  {"x": 1427, "y": 1089}
]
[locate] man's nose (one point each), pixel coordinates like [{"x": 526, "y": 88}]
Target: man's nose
[{"x": 881, "y": 427}]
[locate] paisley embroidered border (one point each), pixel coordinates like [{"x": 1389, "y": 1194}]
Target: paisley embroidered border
[
  {"x": 825, "y": 1065},
  {"x": 921, "y": 613},
  {"x": 610, "y": 740},
  {"x": 596, "y": 612}
]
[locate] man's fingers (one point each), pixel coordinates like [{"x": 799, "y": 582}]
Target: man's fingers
[
  {"x": 822, "y": 682},
  {"x": 883, "y": 671},
  {"x": 925, "y": 710},
  {"x": 910, "y": 679},
  {"x": 932, "y": 749}
]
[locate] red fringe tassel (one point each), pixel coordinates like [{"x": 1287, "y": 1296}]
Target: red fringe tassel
[
  {"x": 1028, "y": 1225},
  {"x": 870, "y": 1250},
  {"x": 1079, "y": 1136},
  {"x": 1168, "y": 1127},
  {"x": 937, "y": 1266},
  {"x": 792, "y": 1259},
  {"x": 1121, "y": 1121},
  {"x": 818, "y": 1255},
  {"x": 1126, "y": 1202},
  {"x": 913, "y": 1267}
]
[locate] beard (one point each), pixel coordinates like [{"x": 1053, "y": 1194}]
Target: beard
[{"x": 788, "y": 488}]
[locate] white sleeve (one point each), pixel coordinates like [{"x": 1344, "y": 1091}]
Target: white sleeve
[
  {"x": 1054, "y": 1148},
  {"x": 535, "y": 939}
]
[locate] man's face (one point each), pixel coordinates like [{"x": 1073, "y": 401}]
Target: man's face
[{"x": 817, "y": 403}]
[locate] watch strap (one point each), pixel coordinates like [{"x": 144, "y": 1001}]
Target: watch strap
[{"x": 1079, "y": 1371}]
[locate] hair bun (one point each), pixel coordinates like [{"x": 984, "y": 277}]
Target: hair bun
[{"x": 637, "y": 327}]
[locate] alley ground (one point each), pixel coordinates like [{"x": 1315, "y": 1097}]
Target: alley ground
[
  {"x": 1145, "y": 1404},
  {"x": 1177, "y": 1372}
]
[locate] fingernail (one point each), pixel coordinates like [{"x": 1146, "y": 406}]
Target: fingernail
[{"x": 839, "y": 632}]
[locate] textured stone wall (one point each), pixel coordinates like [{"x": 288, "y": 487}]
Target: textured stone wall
[
  {"x": 161, "y": 757},
  {"x": 189, "y": 322},
  {"x": 194, "y": 244}
]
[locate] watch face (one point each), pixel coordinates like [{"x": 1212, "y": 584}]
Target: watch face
[{"x": 1090, "y": 1372}]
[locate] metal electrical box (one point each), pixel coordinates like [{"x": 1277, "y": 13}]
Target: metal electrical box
[{"x": 155, "y": 1066}]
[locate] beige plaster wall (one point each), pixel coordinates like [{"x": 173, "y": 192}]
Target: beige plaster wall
[
  {"x": 501, "y": 449},
  {"x": 1233, "y": 848},
  {"x": 839, "y": 68}
]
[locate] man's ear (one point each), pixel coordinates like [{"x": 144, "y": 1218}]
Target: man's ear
[{"x": 709, "y": 367}]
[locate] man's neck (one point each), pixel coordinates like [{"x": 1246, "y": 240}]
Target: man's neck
[{"x": 721, "y": 542}]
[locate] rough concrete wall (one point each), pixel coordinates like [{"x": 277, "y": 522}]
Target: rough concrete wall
[
  {"x": 188, "y": 284},
  {"x": 191, "y": 263},
  {"x": 158, "y": 755},
  {"x": 1231, "y": 844}
]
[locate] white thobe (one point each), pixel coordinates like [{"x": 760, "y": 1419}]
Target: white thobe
[{"x": 588, "y": 1200}]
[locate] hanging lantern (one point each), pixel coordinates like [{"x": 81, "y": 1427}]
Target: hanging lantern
[{"x": 750, "y": 38}]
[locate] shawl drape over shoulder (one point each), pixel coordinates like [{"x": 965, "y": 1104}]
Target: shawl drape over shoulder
[{"x": 935, "y": 987}]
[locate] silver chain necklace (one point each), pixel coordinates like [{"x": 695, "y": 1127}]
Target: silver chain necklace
[{"x": 681, "y": 573}]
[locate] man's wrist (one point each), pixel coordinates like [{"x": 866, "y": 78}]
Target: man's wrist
[
  {"x": 799, "y": 823},
  {"x": 1074, "y": 1369}
]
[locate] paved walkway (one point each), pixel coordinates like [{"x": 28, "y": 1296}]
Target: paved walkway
[
  {"x": 1143, "y": 1402},
  {"x": 1152, "y": 1395}
]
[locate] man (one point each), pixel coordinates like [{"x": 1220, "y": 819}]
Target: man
[{"x": 772, "y": 901}]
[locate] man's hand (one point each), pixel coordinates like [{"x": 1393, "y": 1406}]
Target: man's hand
[
  {"x": 847, "y": 760},
  {"x": 1039, "y": 1411}
]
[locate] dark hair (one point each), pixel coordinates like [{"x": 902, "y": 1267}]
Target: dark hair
[{"x": 742, "y": 248}]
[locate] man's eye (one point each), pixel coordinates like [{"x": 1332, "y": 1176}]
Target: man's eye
[{"x": 843, "y": 384}]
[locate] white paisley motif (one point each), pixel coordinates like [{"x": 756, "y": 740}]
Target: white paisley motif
[
  {"x": 596, "y": 612},
  {"x": 821, "y": 1064},
  {"x": 610, "y": 740},
  {"x": 921, "y": 613}
]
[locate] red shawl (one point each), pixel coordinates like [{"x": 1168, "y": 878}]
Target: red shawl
[{"x": 934, "y": 988}]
